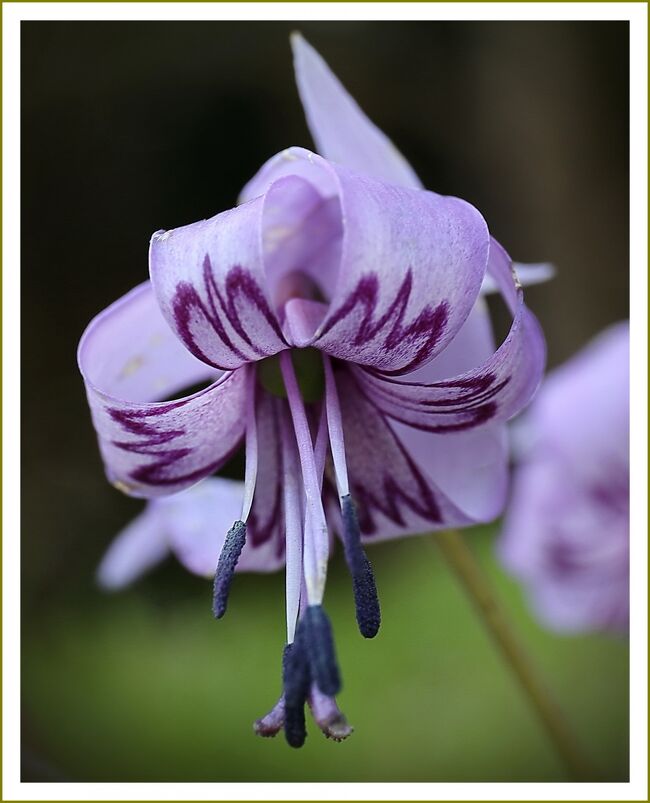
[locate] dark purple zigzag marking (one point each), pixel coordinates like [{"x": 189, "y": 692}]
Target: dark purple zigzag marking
[
  {"x": 154, "y": 473},
  {"x": 428, "y": 325},
  {"x": 238, "y": 283},
  {"x": 460, "y": 404},
  {"x": 476, "y": 415},
  {"x": 480, "y": 415},
  {"x": 388, "y": 499}
]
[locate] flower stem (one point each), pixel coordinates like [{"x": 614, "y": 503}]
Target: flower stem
[{"x": 462, "y": 561}]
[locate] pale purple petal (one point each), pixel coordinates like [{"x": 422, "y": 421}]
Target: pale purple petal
[
  {"x": 210, "y": 282},
  {"x": 136, "y": 549},
  {"x": 566, "y": 535},
  {"x": 341, "y": 131},
  {"x": 197, "y": 520},
  {"x": 265, "y": 523},
  {"x": 583, "y": 411},
  {"x": 470, "y": 467},
  {"x": 411, "y": 264},
  {"x": 495, "y": 390},
  {"x": 569, "y": 546},
  {"x": 129, "y": 360},
  {"x": 392, "y": 494}
]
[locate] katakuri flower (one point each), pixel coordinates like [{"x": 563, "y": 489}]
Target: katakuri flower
[
  {"x": 566, "y": 535},
  {"x": 336, "y": 313}
]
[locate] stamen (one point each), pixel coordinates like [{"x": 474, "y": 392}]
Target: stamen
[
  {"x": 296, "y": 680},
  {"x": 316, "y": 631},
  {"x": 232, "y": 548},
  {"x": 315, "y": 523},
  {"x": 335, "y": 425},
  {"x": 363, "y": 580},
  {"x": 293, "y": 526},
  {"x": 271, "y": 724},
  {"x": 236, "y": 535},
  {"x": 366, "y": 600},
  {"x": 250, "y": 472},
  {"x": 320, "y": 450},
  {"x": 329, "y": 717}
]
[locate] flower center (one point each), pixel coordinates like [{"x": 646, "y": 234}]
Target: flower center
[{"x": 308, "y": 367}]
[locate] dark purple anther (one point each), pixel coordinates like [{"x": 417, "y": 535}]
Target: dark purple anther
[
  {"x": 316, "y": 631},
  {"x": 296, "y": 681},
  {"x": 232, "y": 547},
  {"x": 363, "y": 578}
]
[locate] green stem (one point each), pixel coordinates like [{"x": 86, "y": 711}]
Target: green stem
[{"x": 461, "y": 560}]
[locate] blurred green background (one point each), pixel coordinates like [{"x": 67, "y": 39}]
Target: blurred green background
[{"x": 132, "y": 127}]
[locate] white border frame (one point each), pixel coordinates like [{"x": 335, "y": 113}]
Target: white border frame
[{"x": 13, "y": 14}]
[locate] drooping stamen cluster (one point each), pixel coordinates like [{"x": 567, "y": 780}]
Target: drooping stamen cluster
[{"x": 309, "y": 669}]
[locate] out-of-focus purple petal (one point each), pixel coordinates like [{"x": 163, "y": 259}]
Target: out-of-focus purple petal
[
  {"x": 411, "y": 264},
  {"x": 341, "y": 131},
  {"x": 569, "y": 547},
  {"x": 566, "y": 535},
  {"x": 135, "y": 550},
  {"x": 129, "y": 360},
  {"x": 583, "y": 411},
  {"x": 493, "y": 391},
  {"x": 197, "y": 520},
  {"x": 210, "y": 282}
]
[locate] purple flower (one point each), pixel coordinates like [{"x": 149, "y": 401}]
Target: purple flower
[
  {"x": 336, "y": 313},
  {"x": 567, "y": 531}
]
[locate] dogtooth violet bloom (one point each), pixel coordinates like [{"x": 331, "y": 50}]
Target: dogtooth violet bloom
[
  {"x": 336, "y": 315},
  {"x": 566, "y": 535}
]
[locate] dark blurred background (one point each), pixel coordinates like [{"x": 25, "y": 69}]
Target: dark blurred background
[{"x": 132, "y": 127}]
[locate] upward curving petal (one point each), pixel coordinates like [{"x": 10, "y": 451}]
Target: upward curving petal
[
  {"x": 211, "y": 285},
  {"x": 495, "y": 390},
  {"x": 409, "y": 269},
  {"x": 131, "y": 363},
  {"x": 340, "y": 129}
]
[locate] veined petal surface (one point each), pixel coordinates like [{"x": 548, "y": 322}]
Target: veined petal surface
[
  {"x": 341, "y": 130},
  {"x": 210, "y": 282},
  {"x": 410, "y": 268},
  {"x": 196, "y": 522},
  {"x": 495, "y": 390},
  {"x": 132, "y": 363}
]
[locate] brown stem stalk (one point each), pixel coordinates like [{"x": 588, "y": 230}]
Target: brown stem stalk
[{"x": 463, "y": 563}]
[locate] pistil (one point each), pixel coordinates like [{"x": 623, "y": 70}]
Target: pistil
[
  {"x": 293, "y": 525},
  {"x": 316, "y": 535}
]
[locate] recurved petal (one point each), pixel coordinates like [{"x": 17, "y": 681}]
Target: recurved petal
[
  {"x": 470, "y": 467},
  {"x": 197, "y": 520},
  {"x": 132, "y": 364},
  {"x": 495, "y": 390},
  {"x": 410, "y": 264},
  {"x": 135, "y": 550},
  {"x": 340, "y": 129},
  {"x": 210, "y": 282},
  {"x": 394, "y": 496}
]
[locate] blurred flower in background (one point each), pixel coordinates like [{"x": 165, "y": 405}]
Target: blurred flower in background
[{"x": 567, "y": 527}]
